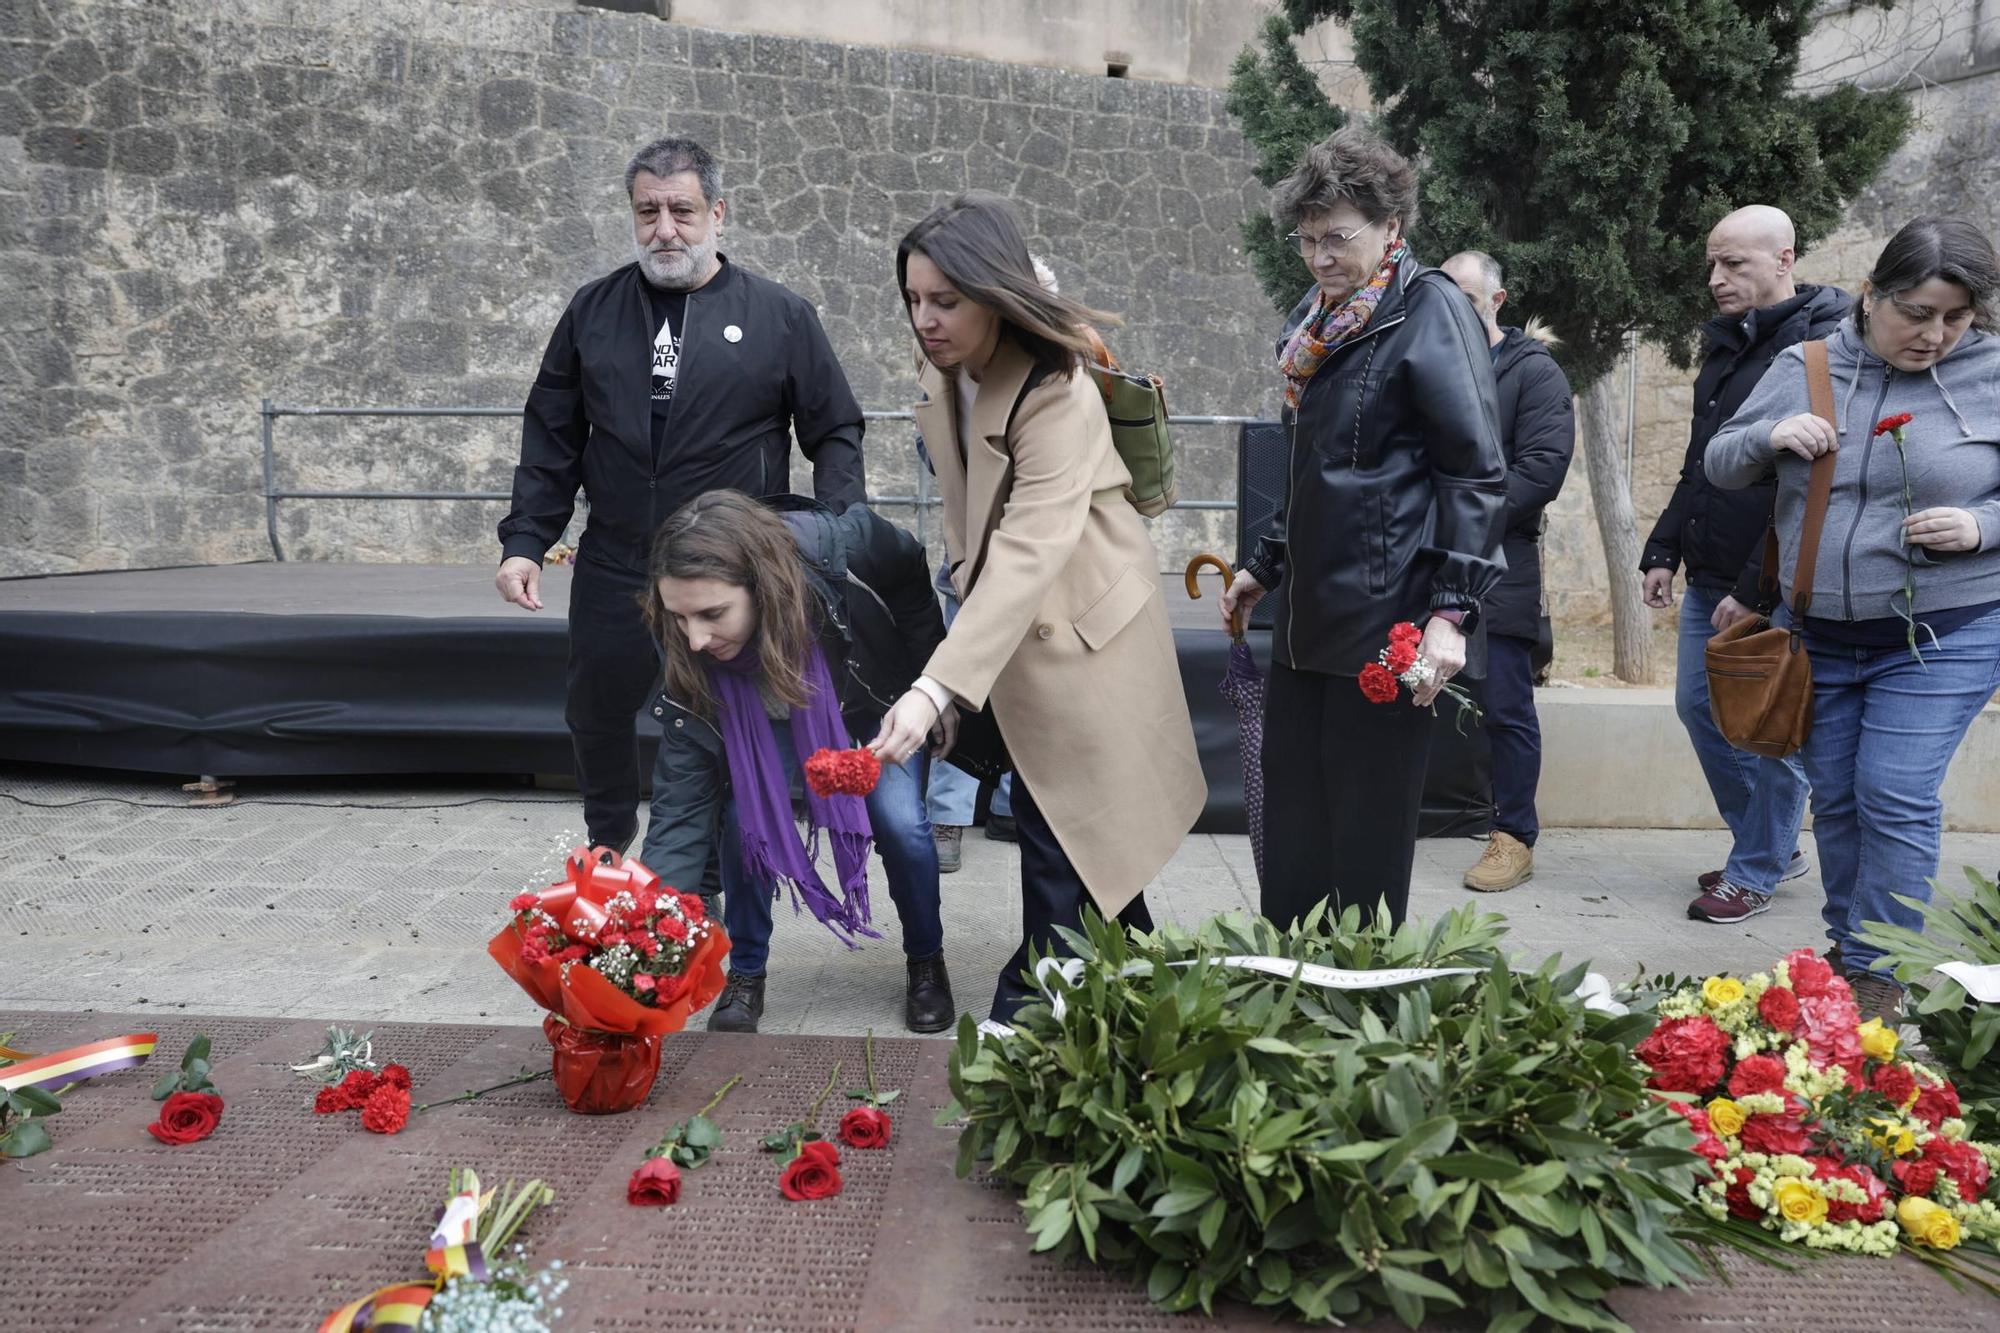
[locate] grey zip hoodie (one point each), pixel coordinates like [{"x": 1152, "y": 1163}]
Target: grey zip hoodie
[{"x": 1953, "y": 444}]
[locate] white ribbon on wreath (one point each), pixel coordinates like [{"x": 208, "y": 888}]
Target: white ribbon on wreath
[
  {"x": 1981, "y": 980},
  {"x": 1594, "y": 993}
]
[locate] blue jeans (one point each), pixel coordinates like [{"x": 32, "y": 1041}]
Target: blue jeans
[
  {"x": 1762, "y": 800},
  {"x": 953, "y": 791},
  {"x": 902, "y": 839},
  {"x": 1884, "y": 729}
]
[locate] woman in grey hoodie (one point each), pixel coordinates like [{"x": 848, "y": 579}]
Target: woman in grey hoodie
[{"x": 1904, "y": 623}]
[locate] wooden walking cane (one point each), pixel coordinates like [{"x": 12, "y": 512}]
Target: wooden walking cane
[{"x": 1221, "y": 566}]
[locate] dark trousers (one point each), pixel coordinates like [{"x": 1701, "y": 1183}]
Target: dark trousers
[
  {"x": 1051, "y": 895},
  {"x": 1508, "y": 694},
  {"x": 614, "y": 668},
  {"x": 1343, "y": 786}
]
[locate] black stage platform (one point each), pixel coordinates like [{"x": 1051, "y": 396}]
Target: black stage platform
[{"x": 294, "y": 669}]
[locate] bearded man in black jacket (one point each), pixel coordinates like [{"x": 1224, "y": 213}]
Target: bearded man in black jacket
[
  {"x": 1538, "y": 435},
  {"x": 1718, "y": 537},
  {"x": 676, "y": 374}
]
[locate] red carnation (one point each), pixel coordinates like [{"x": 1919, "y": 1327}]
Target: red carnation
[
  {"x": 865, "y": 1127},
  {"x": 354, "y": 1089},
  {"x": 1378, "y": 683},
  {"x": 1810, "y": 973},
  {"x": 656, "y": 1184},
  {"x": 1739, "y": 1195},
  {"x": 396, "y": 1076},
  {"x": 1775, "y": 1134},
  {"x": 1839, "y": 1210},
  {"x": 813, "y": 1174},
  {"x": 1759, "y": 1073},
  {"x": 1963, "y": 1163},
  {"x": 1887, "y": 424},
  {"x": 521, "y": 902},
  {"x": 673, "y": 928},
  {"x": 1916, "y": 1176},
  {"x": 187, "y": 1117},
  {"x": 1400, "y": 657},
  {"x": 1779, "y": 1007},
  {"x": 1405, "y": 632},
  {"x": 387, "y": 1111},
  {"x": 843, "y": 772},
  {"x": 1936, "y": 1103},
  {"x": 328, "y": 1100},
  {"x": 693, "y": 908},
  {"x": 1896, "y": 1083},
  {"x": 1685, "y": 1054}
]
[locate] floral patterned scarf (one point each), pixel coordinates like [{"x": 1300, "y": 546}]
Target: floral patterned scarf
[{"x": 1327, "y": 326}]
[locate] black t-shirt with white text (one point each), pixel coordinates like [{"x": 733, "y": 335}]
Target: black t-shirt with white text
[{"x": 670, "y": 324}]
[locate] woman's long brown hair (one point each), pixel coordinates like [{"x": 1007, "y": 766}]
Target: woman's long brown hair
[
  {"x": 728, "y": 537},
  {"x": 976, "y": 242}
]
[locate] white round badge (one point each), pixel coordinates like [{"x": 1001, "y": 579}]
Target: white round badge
[{"x": 732, "y": 334}]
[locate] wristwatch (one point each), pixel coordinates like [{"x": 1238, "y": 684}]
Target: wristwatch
[{"x": 1465, "y": 617}]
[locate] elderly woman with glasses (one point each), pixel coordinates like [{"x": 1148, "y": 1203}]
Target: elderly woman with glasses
[{"x": 1393, "y": 512}]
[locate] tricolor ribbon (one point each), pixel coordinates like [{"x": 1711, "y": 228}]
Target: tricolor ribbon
[
  {"x": 453, "y": 1253},
  {"x": 577, "y": 903},
  {"x": 75, "y": 1064}
]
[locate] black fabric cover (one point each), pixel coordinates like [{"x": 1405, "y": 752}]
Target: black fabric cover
[{"x": 255, "y": 695}]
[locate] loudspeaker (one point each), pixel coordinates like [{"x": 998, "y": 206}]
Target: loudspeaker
[{"x": 1263, "y": 455}]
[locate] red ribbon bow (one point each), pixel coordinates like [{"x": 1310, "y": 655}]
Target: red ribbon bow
[{"x": 596, "y": 875}]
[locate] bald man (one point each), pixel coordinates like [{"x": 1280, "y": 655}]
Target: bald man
[{"x": 1717, "y": 537}]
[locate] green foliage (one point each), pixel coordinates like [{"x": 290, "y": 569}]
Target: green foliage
[
  {"x": 343, "y": 1052},
  {"x": 1960, "y": 1032},
  {"x": 1590, "y": 145},
  {"x": 192, "y": 1076},
  {"x": 1475, "y": 1142},
  {"x": 1282, "y": 110},
  {"x": 21, "y": 1111}
]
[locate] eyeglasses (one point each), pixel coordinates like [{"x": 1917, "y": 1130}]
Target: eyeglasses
[{"x": 1331, "y": 243}]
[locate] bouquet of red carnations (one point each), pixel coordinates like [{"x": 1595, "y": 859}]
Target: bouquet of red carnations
[
  {"x": 1814, "y": 1126},
  {"x": 619, "y": 960},
  {"x": 1403, "y": 664}
]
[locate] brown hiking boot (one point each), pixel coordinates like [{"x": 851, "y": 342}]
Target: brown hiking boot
[{"x": 1506, "y": 862}]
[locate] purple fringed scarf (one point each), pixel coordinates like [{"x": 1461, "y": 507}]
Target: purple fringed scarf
[{"x": 772, "y": 851}]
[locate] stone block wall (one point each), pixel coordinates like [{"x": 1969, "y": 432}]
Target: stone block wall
[{"x": 387, "y": 202}]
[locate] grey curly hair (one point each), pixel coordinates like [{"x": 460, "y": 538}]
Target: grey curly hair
[{"x": 1351, "y": 166}]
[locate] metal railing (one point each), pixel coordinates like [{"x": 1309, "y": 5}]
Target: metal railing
[{"x": 269, "y": 412}]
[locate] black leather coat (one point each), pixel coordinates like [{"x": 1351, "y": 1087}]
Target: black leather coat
[
  {"x": 1717, "y": 534},
  {"x": 1397, "y": 484}
]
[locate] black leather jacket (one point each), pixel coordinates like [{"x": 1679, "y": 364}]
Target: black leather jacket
[
  {"x": 878, "y": 624},
  {"x": 1397, "y": 489}
]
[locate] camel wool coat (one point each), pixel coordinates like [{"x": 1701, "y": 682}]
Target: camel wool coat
[{"x": 1062, "y": 629}]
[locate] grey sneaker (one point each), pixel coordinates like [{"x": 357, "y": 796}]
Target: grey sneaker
[
  {"x": 1796, "y": 867},
  {"x": 1877, "y": 996},
  {"x": 1726, "y": 904},
  {"x": 950, "y": 839}
]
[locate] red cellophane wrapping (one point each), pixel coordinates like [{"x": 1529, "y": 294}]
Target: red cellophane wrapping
[{"x": 606, "y": 1044}]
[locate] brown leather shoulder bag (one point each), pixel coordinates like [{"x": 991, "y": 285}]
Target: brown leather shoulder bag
[{"x": 1759, "y": 677}]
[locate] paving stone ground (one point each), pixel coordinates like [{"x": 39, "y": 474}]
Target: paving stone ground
[{"x": 371, "y": 900}]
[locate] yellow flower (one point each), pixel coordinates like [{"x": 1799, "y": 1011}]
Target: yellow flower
[
  {"x": 1799, "y": 1201},
  {"x": 1725, "y": 1117},
  {"x": 1721, "y": 991},
  {"x": 1927, "y": 1223},
  {"x": 1878, "y": 1042},
  {"x": 1896, "y": 1137}
]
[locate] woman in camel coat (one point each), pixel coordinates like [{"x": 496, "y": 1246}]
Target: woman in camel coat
[{"x": 1062, "y": 632}]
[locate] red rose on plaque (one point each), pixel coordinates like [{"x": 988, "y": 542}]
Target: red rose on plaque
[
  {"x": 813, "y": 1174},
  {"x": 187, "y": 1117},
  {"x": 656, "y": 1184},
  {"x": 865, "y": 1127}
]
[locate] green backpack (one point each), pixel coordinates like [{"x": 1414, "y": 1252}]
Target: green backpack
[{"x": 1137, "y": 408}]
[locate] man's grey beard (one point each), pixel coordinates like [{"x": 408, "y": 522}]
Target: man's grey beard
[{"x": 676, "y": 270}]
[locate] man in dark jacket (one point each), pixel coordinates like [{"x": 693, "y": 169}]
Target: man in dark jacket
[
  {"x": 1538, "y": 434},
  {"x": 676, "y": 374},
  {"x": 1718, "y": 537}
]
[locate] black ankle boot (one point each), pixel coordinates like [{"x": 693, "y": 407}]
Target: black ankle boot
[
  {"x": 927, "y": 1005},
  {"x": 740, "y": 1005}
]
